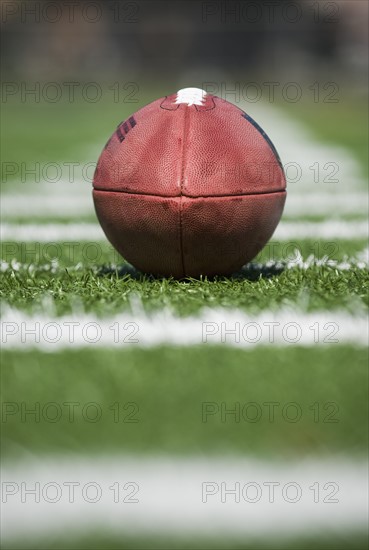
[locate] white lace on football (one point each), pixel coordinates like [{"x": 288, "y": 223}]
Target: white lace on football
[{"x": 191, "y": 96}]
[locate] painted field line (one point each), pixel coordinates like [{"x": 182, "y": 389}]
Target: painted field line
[
  {"x": 168, "y": 495},
  {"x": 69, "y": 206},
  {"x": 51, "y": 232},
  {"x": 45, "y": 205},
  {"x": 330, "y": 229},
  {"x": 219, "y": 326},
  {"x": 296, "y": 261},
  {"x": 286, "y": 231},
  {"x": 326, "y": 204}
]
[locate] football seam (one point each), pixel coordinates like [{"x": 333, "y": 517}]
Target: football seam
[
  {"x": 181, "y": 184},
  {"x": 182, "y": 195}
]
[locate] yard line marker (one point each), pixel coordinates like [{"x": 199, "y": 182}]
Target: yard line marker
[
  {"x": 51, "y": 232},
  {"x": 219, "y": 326},
  {"x": 330, "y": 229},
  {"x": 60, "y": 206},
  {"x": 295, "y": 261},
  {"x": 173, "y": 496},
  {"x": 328, "y": 204},
  {"x": 286, "y": 231}
]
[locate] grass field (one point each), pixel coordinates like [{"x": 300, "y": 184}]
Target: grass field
[
  {"x": 172, "y": 399},
  {"x": 105, "y": 540},
  {"x": 110, "y": 288},
  {"x": 182, "y": 381}
]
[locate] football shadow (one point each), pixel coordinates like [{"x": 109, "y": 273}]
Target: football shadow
[
  {"x": 254, "y": 272},
  {"x": 249, "y": 272},
  {"x": 121, "y": 271}
]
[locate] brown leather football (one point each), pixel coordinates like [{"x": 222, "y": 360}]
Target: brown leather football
[{"x": 189, "y": 185}]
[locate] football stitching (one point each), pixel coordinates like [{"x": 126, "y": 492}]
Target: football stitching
[
  {"x": 272, "y": 192},
  {"x": 180, "y": 197}
]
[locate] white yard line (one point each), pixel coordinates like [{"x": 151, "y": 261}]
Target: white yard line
[
  {"x": 47, "y": 205},
  {"x": 283, "y": 328},
  {"x": 179, "y": 496},
  {"x": 326, "y": 204},
  {"x": 286, "y": 231},
  {"x": 51, "y": 232},
  {"x": 330, "y": 229},
  {"x": 295, "y": 261}
]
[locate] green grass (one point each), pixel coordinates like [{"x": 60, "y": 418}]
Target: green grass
[
  {"x": 168, "y": 387},
  {"x": 107, "y": 286},
  {"x": 111, "y": 292},
  {"x": 107, "y": 541}
]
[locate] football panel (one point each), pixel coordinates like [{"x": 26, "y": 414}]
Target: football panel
[
  {"x": 144, "y": 229},
  {"x": 226, "y": 154},
  {"x": 221, "y": 234},
  {"x": 144, "y": 154}
]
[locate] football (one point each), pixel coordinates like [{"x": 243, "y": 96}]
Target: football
[{"x": 189, "y": 185}]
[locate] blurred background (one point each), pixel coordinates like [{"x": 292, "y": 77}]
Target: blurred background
[{"x": 177, "y": 40}]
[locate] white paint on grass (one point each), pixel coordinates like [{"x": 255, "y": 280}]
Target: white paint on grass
[
  {"x": 46, "y": 205},
  {"x": 286, "y": 231},
  {"x": 295, "y": 261},
  {"x": 183, "y": 496},
  {"x": 51, "y": 232},
  {"x": 326, "y": 204},
  {"x": 218, "y": 326},
  {"x": 330, "y": 229}
]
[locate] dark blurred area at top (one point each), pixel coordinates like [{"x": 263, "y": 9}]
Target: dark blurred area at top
[{"x": 184, "y": 40}]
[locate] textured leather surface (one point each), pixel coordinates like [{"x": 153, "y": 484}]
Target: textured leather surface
[
  {"x": 148, "y": 160},
  {"x": 144, "y": 229},
  {"x": 188, "y": 190},
  {"x": 221, "y": 234}
]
